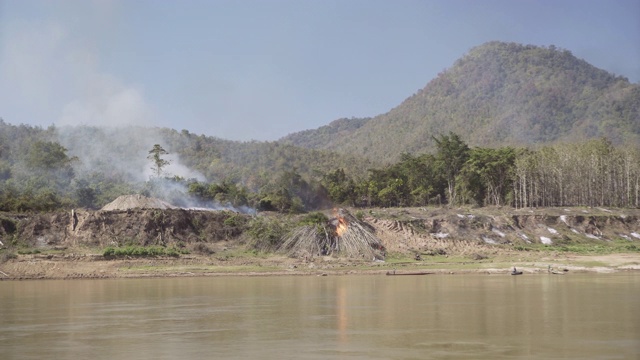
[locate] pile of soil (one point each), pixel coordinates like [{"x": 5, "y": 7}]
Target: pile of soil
[
  {"x": 126, "y": 202},
  {"x": 136, "y": 226}
]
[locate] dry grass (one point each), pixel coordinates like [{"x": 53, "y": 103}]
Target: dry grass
[{"x": 344, "y": 236}]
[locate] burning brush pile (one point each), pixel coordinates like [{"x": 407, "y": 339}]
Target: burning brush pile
[{"x": 343, "y": 235}]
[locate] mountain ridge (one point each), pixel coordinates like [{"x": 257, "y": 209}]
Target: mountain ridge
[{"x": 498, "y": 94}]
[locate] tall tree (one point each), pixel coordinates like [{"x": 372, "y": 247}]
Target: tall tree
[
  {"x": 488, "y": 174},
  {"x": 158, "y": 162},
  {"x": 451, "y": 155}
]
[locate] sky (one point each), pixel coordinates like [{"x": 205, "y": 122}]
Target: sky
[{"x": 261, "y": 69}]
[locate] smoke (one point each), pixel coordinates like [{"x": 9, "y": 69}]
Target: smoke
[
  {"x": 107, "y": 102},
  {"x": 121, "y": 151},
  {"x": 51, "y": 69},
  {"x": 175, "y": 168},
  {"x": 51, "y": 73},
  {"x": 116, "y": 152},
  {"x": 176, "y": 192},
  {"x": 121, "y": 154}
]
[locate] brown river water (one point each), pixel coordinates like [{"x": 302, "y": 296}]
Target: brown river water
[{"x": 575, "y": 316}]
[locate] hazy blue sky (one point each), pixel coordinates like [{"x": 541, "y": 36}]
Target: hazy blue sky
[{"x": 249, "y": 69}]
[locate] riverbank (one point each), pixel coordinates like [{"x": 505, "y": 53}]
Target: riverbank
[
  {"x": 220, "y": 243},
  {"x": 88, "y": 266}
]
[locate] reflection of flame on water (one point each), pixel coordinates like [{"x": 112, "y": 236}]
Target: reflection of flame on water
[{"x": 341, "y": 307}]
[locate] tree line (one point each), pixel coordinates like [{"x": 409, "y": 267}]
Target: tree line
[
  {"x": 38, "y": 174},
  {"x": 591, "y": 173}
]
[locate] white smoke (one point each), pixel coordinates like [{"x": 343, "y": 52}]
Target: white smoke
[
  {"x": 122, "y": 153},
  {"x": 107, "y": 103},
  {"x": 175, "y": 168},
  {"x": 51, "y": 73},
  {"x": 177, "y": 194}
]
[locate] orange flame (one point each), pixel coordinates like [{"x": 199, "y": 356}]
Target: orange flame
[
  {"x": 341, "y": 227},
  {"x": 342, "y": 224}
]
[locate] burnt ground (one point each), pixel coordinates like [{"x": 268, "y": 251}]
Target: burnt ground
[{"x": 456, "y": 240}]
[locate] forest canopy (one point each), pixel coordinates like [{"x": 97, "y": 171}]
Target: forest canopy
[
  {"x": 38, "y": 173},
  {"x": 507, "y": 125}
]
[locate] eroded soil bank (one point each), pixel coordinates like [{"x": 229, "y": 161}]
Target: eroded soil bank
[{"x": 69, "y": 245}]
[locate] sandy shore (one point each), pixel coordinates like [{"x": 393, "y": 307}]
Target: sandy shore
[{"x": 71, "y": 266}]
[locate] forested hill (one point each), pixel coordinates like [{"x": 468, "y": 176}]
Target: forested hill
[{"x": 498, "y": 94}]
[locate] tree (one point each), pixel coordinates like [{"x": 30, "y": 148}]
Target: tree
[
  {"x": 47, "y": 155},
  {"x": 158, "y": 162},
  {"x": 85, "y": 194},
  {"x": 487, "y": 175},
  {"x": 451, "y": 156},
  {"x": 340, "y": 187}
]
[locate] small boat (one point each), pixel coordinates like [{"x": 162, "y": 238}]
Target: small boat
[
  {"x": 392, "y": 273},
  {"x": 516, "y": 273}
]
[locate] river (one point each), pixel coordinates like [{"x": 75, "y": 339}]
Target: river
[{"x": 575, "y": 316}]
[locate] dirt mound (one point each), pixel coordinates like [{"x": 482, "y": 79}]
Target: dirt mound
[
  {"x": 126, "y": 202},
  {"x": 170, "y": 227}
]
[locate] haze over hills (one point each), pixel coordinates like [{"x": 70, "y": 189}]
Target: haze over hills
[{"x": 498, "y": 94}]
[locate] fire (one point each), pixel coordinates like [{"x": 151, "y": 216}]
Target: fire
[
  {"x": 342, "y": 224},
  {"x": 341, "y": 227}
]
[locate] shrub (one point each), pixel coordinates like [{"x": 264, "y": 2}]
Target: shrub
[
  {"x": 314, "y": 218},
  {"x": 266, "y": 234},
  {"x": 140, "y": 251},
  {"x": 234, "y": 220}
]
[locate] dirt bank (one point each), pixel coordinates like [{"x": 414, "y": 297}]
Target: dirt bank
[{"x": 69, "y": 245}]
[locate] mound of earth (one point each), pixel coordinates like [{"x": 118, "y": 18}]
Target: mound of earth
[
  {"x": 143, "y": 227},
  {"x": 137, "y": 201}
]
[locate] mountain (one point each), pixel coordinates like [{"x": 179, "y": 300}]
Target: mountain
[
  {"x": 324, "y": 136},
  {"x": 498, "y": 94}
]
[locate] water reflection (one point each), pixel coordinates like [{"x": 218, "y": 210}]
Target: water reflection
[{"x": 435, "y": 316}]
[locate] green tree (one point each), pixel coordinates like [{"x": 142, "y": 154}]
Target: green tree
[
  {"x": 47, "y": 155},
  {"x": 85, "y": 194},
  {"x": 487, "y": 175},
  {"x": 451, "y": 156},
  {"x": 158, "y": 162},
  {"x": 341, "y": 188}
]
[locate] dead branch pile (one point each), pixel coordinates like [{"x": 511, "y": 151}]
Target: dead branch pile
[{"x": 341, "y": 236}]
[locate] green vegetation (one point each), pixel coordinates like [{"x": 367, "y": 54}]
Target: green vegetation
[
  {"x": 266, "y": 233},
  {"x": 141, "y": 251},
  {"x": 314, "y": 218},
  {"x": 498, "y": 94},
  {"x": 590, "y": 173},
  {"x": 588, "y": 248},
  {"x": 506, "y": 125}
]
